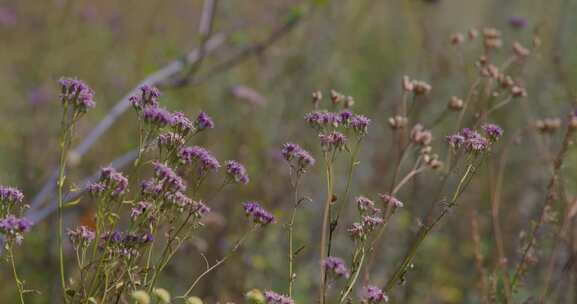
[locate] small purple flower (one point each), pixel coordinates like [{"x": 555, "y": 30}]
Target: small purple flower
[
  {"x": 178, "y": 199},
  {"x": 272, "y": 297},
  {"x": 320, "y": 120},
  {"x": 345, "y": 116},
  {"x": 236, "y": 172},
  {"x": 140, "y": 209},
  {"x": 145, "y": 95},
  {"x": 302, "y": 159},
  {"x": 257, "y": 213},
  {"x": 390, "y": 200},
  {"x": 518, "y": 22},
  {"x": 81, "y": 234},
  {"x": 370, "y": 223},
  {"x": 199, "y": 209},
  {"x": 113, "y": 181},
  {"x": 373, "y": 295},
  {"x": 14, "y": 227},
  {"x": 151, "y": 188},
  {"x": 181, "y": 124},
  {"x": 365, "y": 204},
  {"x": 203, "y": 121},
  {"x": 356, "y": 231},
  {"x": 170, "y": 141},
  {"x": 455, "y": 141},
  {"x": 360, "y": 124},
  {"x": 333, "y": 141},
  {"x": 493, "y": 131},
  {"x": 336, "y": 266},
  {"x": 199, "y": 156},
  {"x": 10, "y": 195},
  {"x": 77, "y": 94},
  {"x": 96, "y": 189},
  {"x": 169, "y": 179},
  {"x": 157, "y": 117}
]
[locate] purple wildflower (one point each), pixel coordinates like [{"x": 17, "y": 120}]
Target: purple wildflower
[
  {"x": 199, "y": 209},
  {"x": 10, "y": 195},
  {"x": 518, "y": 22},
  {"x": 332, "y": 141},
  {"x": 345, "y": 116},
  {"x": 320, "y": 120},
  {"x": 366, "y": 204},
  {"x": 151, "y": 188},
  {"x": 370, "y": 223},
  {"x": 257, "y": 213},
  {"x": 146, "y": 95},
  {"x": 156, "y": 116},
  {"x": 96, "y": 189},
  {"x": 493, "y": 131},
  {"x": 200, "y": 156},
  {"x": 169, "y": 179},
  {"x": 390, "y": 200},
  {"x": 203, "y": 121},
  {"x": 455, "y": 141},
  {"x": 12, "y": 226},
  {"x": 181, "y": 124},
  {"x": 170, "y": 141},
  {"x": 113, "y": 181},
  {"x": 293, "y": 152},
  {"x": 81, "y": 234},
  {"x": 76, "y": 94},
  {"x": 236, "y": 172},
  {"x": 360, "y": 124},
  {"x": 356, "y": 231},
  {"x": 272, "y": 297},
  {"x": 336, "y": 266},
  {"x": 178, "y": 199},
  {"x": 373, "y": 295},
  {"x": 140, "y": 209}
]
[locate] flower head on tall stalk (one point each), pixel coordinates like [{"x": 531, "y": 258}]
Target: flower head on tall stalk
[
  {"x": 272, "y": 297},
  {"x": 236, "y": 172},
  {"x": 77, "y": 99},
  {"x": 373, "y": 295}
]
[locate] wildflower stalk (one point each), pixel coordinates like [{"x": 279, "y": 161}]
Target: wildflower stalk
[
  {"x": 557, "y": 164},
  {"x": 15, "y": 274},
  {"x": 324, "y": 230},
  {"x": 65, "y": 132},
  {"x": 358, "y": 265},
  {"x": 290, "y": 235},
  {"x": 220, "y": 262},
  {"x": 425, "y": 229}
]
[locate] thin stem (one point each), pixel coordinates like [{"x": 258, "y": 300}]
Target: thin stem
[
  {"x": 63, "y": 143},
  {"x": 15, "y": 274},
  {"x": 323, "y": 251},
  {"x": 291, "y": 276},
  {"x": 218, "y": 263},
  {"x": 354, "y": 277}
]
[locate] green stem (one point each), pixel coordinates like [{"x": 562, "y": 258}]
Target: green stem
[
  {"x": 290, "y": 234},
  {"x": 60, "y": 193},
  {"x": 323, "y": 251},
  {"x": 15, "y": 274},
  {"x": 355, "y": 276}
]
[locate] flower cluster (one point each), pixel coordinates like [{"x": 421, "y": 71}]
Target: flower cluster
[
  {"x": 260, "y": 216},
  {"x": 472, "y": 141},
  {"x": 203, "y": 121},
  {"x": 200, "y": 157},
  {"x": 13, "y": 227},
  {"x": 373, "y": 295},
  {"x": 298, "y": 158},
  {"x": 139, "y": 209},
  {"x": 10, "y": 195},
  {"x": 389, "y": 200},
  {"x": 336, "y": 266},
  {"x": 320, "y": 120},
  {"x": 146, "y": 95},
  {"x": 157, "y": 117},
  {"x": 81, "y": 235},
  {"x": 272, "y": 297},
  {"x": 168, "y": 178},
  {"x": 333, "y": 141},
  {"x": 365, "y": 204},
  {"x": 181, "y": 124},
  {"x": 125, "y": 244},
  {"x": 110, "y": 181},
  {"x": 360, "y": 231},
  {"x": 236, "y": 172},
  {"x": 170, "y": 141},
  {"x": 77, "y": 94}
]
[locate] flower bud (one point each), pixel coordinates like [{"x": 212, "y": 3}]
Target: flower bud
[
  {"x": 162, "y": 294},
  {"x": 193, "y": 300},
  {"x": 455, "y": 104},
  {"x": 254, "y": 296},
  {"x": 141, "y": 297}
]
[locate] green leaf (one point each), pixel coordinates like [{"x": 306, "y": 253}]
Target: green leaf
[{"x": 72, "y": 203}]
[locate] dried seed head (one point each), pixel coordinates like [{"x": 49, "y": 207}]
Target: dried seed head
[
  {"x": 317, "y": 97},
  {"x": 493, "y": 43},
  {"x": 483, "y": 61},
  {"x": 398, "y": 122},
  {"x": 518, "y": 91},
  {"x": 472, "y": 33},
  {"x": 548, "y": 125},
  {"x": 336, "y": 97},
  {"x": 349, "y": 102},
  {"x": 520, "y": 51},
  {"x": 490, "y": 71},
  {"x": 506, "y": 81},
  {"x": 433, "y": 161},
  {"x": 407, "y": 84},
  {"x": 421, "y": 87},
  {"x": 455, "y": 104},
  {"x": 421, "y": 136},
  {"x": 491, "y": 33},
  {"x": 457, "y": 39},
  {"x": 573, "y": 123}
]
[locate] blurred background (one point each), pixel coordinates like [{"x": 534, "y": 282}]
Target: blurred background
[{"x": 256, "y": 80}]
